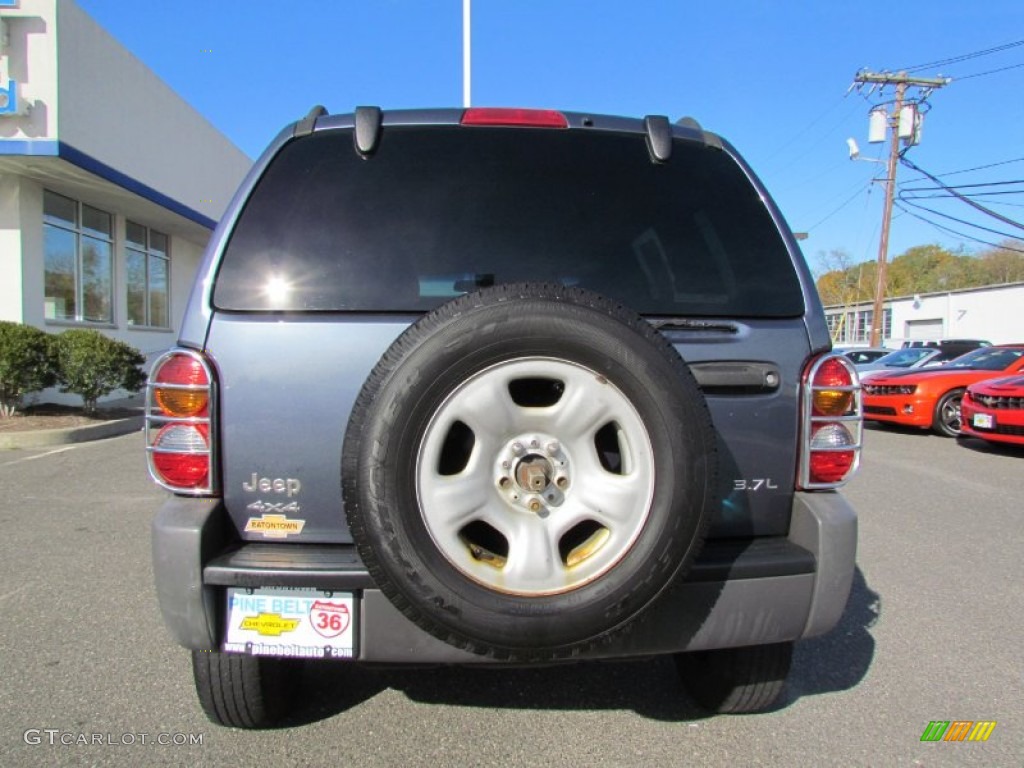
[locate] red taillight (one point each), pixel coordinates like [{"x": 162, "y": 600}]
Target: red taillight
[
  {"x": 832, "y": 424},
  {"x": 179, "y": 424},
  {"x": 181, "y": 455},
  {"x": 528, "y": 118}
]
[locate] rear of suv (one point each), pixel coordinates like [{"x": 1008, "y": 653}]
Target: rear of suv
[{"x": 500, "y": 386}]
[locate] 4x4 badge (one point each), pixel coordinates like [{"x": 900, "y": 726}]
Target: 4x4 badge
[
  {"x": 280, "y": 507},
  {"x": 274, "y": 526}
]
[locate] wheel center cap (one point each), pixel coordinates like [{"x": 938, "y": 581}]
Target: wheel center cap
[{"x": 533, "y": 473}]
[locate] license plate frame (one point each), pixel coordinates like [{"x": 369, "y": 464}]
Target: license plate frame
[{"x": 291, "y": 622}]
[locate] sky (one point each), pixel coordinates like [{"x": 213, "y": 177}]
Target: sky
[{"x": 772, "y": 76}]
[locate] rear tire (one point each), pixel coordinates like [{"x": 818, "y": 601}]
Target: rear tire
[
  {"x": 243, "y": 691},
  {"x": 736, "y": 680}
]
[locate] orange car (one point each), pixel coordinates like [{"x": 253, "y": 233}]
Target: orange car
[
  {"x": 930, "y": 397},
  {"x": 994, "y": 410}
]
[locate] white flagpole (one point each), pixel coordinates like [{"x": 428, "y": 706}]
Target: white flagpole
[{"x": 466, "y": 58}]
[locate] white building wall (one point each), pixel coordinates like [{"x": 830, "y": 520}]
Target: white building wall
[
  {"x": 32, "y": 275},
  {"x": 108, "y": 95},
  {"x": 991, "y": 312},
  {"x": 30, "y": 59},
  {"x": 10, "y": 249},
  {"x": 994, "y": 313}
]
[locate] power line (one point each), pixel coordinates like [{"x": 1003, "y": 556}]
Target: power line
[
  {"x": 980, "y": 167},
  {"x": 978, "y": 206},
  {"x": 947, "y": 195},
  {"x": 964, "y": 186},
  {"x": 964, "y": 57},
  {"x": 989, "y": 72},
  {"x": 849, "y": 200},
  {"x": 959, "y": 221},
  {"x": 956, "y": 233}
]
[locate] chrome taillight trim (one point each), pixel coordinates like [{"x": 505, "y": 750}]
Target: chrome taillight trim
[
  {"x": 156, "y": 419},
  {"x": 853, "y": 419}
]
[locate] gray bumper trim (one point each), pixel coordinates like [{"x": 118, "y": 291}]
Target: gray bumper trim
[
  {"x": 826, "y": 524},
  {"x": 760, "y": 591},
  {"x": 186, "y": 534}
]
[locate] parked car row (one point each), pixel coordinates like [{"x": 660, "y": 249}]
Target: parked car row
[
  {"x": 912, "y": 355},
  {"x": 975, "y": 395}
]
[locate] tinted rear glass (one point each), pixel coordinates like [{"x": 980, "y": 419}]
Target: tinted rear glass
[{"x": 440, "y": 211}]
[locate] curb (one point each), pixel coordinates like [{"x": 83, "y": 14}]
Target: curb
[{"x": 46, "y": 438}]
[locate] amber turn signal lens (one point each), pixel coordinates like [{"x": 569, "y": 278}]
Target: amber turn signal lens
[
  {"x": 181, "y": 371},
  {"x": 181, "y": 402},
  {"x": 832, "y": 402}
]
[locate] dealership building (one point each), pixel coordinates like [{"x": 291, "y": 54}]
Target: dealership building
[
  {"x": 110, "y": 184},
  {"x": 991, "y": 313}
]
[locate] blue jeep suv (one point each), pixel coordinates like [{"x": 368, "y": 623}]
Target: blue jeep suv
[{"x": 500, "y": 386}]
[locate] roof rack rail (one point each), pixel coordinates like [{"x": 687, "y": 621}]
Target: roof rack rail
[
  {"x": 305, "y": 126},
  {"x": 709, "y": 139}
]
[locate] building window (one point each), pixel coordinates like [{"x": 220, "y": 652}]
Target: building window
[
  {"x": 78, "y": 261},
  {"x": 855, "y": 326},
  {"x": 148, "y": 269}
]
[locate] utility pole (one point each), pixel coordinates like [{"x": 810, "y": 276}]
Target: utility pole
[{"x": 902, "y": 81}]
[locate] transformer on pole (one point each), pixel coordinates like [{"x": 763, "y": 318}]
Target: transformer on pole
[{"x": 904, "y": 125}]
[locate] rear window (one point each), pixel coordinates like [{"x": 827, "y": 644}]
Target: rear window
[{"x": 440, "y": 211}]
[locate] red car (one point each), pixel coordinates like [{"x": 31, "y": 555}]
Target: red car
[
  {"x": 994, "y": 410},
  {"x": 929, "y": 398}
]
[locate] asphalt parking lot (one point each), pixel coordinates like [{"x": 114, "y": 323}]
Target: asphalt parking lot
[{"x": 932, "y": 632}]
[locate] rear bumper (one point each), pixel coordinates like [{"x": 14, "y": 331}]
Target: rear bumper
[{"x": 739, "y": 592}]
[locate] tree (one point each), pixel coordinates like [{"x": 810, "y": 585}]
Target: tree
[
  {"x": 26, "y": 364},
  {"x": 93, "y": 365},
  {"x": 921, "y": 269},
  {"x": 1003, "y": 264},
  {"x": 844, "y": 282}
]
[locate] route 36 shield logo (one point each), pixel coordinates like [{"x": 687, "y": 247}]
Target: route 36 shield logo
[{"x": 329, "y": 619}]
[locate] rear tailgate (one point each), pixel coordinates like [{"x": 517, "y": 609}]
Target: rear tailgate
[{"x": 288, "y": 387}]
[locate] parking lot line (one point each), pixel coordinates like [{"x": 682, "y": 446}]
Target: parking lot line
[{"x": 38, "y": 456}]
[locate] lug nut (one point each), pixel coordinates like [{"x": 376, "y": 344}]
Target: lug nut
[
  {"x": 504, "y": 482},
  {"x": 517, "y": 448},
  {"x": 506, "y": 465},
  {"x": 553, "y": 446},
  {"x": 562, "y": 482},
  {"x": 535, "y": 443},
  {"x": 535, "y": 505}
]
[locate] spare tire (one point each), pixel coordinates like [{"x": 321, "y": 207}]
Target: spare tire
[{"x": 527, "y": 468}]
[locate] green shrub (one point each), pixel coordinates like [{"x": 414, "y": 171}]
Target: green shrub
[
  {"x": 93, "y": 365},
  {"x": 26, "y": 364}
]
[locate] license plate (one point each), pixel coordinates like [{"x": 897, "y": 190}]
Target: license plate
[
  {"x": 280, "y": 621},
  {"x": 984, "y": 421}
]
